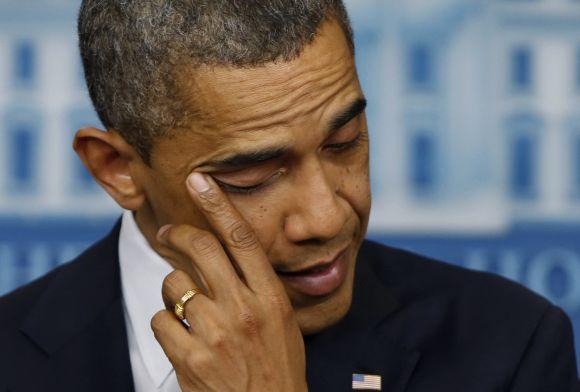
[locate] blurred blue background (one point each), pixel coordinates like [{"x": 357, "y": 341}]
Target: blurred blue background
[{"x": 475, "y": 131}]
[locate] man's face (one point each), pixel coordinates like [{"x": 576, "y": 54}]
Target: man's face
[{"x": 294, "y": 135}]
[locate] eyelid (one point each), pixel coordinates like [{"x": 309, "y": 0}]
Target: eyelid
[
  {"x": 351, "y": 126},
  {"x": 338, "y": 147},
  {"x": 343, "y": 145},
  {"x": 252, "y": 188},
  {"x": 249, "y": 174}
]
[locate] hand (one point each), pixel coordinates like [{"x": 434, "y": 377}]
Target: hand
[{"x": 244, "y": 335}]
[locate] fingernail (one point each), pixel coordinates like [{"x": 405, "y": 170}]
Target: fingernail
[
  {"x": 198, "y": 182},
  {"x": 162, "y": 231}
]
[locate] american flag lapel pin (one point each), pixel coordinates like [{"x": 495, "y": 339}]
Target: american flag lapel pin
[{"x": 366, "y": 381}]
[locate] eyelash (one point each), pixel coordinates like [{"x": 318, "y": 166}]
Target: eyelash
[
  {"x": 345, "y": 146},
  {"x": 248, "y": 190},
  {"x": 254, "y": 188}
]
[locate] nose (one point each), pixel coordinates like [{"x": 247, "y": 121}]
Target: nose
[{"x": 318, "y": 213}]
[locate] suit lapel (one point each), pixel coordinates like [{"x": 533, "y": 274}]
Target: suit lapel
[
  {"x": 359, "y": 343},
  {"x": 382, "y": 356},
  {"x": 380, "y": 352},
  {"x": 78, "y": 323}
]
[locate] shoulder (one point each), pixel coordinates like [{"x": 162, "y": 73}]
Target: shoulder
[
  {"x": 486, "y": 312},
  {"x": 414, "y": 277},
  {"x": 15, "y": 306},
  {"x": 475, "y": 323},
  {"x": 60, "y": 284},
  {"x": 459, "y": 317},
  {"x": 40, "y": 310}
]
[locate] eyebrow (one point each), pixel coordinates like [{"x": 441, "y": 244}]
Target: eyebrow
[
  {"x": 355, "y": 108},
  {"x": 250, "y": 158},
  {"x": 255, "y": 157}
]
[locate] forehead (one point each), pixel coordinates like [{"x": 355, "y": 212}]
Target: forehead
[{"x": 236, "y": 105}]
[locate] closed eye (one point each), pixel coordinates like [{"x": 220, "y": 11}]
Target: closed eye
[
  {"x": 346, "y": 145},
  {"x": 247, "y": 190}
]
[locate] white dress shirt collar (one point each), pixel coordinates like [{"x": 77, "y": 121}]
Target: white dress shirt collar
[{"x": 142, "y": 274}]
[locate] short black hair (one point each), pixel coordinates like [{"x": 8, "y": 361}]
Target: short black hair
[{"x": 131, "y": 50}]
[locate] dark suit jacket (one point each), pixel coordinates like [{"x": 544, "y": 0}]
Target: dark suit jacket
[{"x": 421, "y": 324}]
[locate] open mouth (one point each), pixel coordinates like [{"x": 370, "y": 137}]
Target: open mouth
[
  {"x": 319, "y": 280},
  {"x": 308, "y": 271}
]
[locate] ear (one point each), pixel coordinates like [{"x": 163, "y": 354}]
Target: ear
[{"x": 111, "y": 160}]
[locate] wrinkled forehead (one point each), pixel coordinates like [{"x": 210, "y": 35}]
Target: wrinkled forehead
[
  {"x": 232, "y": 100},
  {"x": 267, "y": 107}
]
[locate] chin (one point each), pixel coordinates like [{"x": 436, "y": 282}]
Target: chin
[
  {"x": 317, "y": 318},
  {"x": 311, "y": 326}
]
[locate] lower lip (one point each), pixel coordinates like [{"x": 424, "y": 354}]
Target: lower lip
[{"x": 322, "y": 282}]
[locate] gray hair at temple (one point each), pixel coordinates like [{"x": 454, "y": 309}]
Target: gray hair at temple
[{"x": 134, "y": 50}]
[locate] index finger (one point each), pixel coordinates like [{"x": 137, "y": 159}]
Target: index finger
[{"x": 239, "y": 237}]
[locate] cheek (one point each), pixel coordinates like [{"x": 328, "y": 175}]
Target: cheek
[{"x": 355, "y": 185}]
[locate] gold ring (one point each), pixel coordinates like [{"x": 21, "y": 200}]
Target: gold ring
[{"x": 180, "y": 306}]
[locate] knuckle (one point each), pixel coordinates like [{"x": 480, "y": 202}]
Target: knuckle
[
  {"x": 198, "y": 360},
  {"x": 175, "y": 234},
  {"x": 242, "y": 236},
  {"x": 212, "y": 202},
  {"x": 157, "y": 321},
  {"x": 248, "y": 322},
  {"x": 204, "y": 243},
  {"x": 218, "y": 339},
  {"x": 172, "y": 280}
]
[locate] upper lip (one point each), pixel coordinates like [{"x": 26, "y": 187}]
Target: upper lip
[{"x": 315, "y": 265}]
